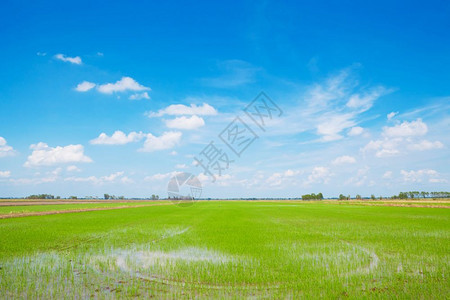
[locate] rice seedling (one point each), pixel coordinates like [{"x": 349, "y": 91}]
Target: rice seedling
[{"x": 229, "y": 249}]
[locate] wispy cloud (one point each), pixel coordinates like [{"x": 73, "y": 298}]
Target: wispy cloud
[
  {"x": 5, "y": 174},
  {"x": 345, "y": 159},
  {"x": 331, "y": 107},
  {"x": 85, "y": 86},
  {"x": 139, "y": 96},
  {"x": 117, "y": 177},
  {"x": 391, "y": 115},
  {"x": 318, "y": 175},
  {"x": 74, "y": 60}
]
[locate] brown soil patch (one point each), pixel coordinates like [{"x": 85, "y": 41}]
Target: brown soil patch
[
  {"x": 25, "y": 202},
  {"x": 399, "y": 205},
  {"x": 44, "y": 213}
]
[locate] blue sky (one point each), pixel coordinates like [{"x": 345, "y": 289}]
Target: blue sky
[{"x": 116, "y": 97}]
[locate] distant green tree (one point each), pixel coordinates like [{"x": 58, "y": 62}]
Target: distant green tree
[
  {"x": 358, "y": 196},
  {"x": 342, "y": 197},
  {"x": 41, "y": 196},
  {"x": 312, "y": 196},
  {"x": 106, "y": 196},
  {"x": 403, "y": 195},
  {"x": 372, "y": 197}
]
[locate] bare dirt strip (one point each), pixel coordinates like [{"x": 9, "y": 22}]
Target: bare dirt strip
[
  {"x": 55, "y": 212},
  {"x": 23, "y": 202},
  {"x": 398, "y": 205}
]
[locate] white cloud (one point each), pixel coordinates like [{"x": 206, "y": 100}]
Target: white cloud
[
  {"x": 173, "y": 153},
  {"x": 360, "y": 178},
  {"x": 426, "y": 145},
  {"x": 167, "y": 140},
  {"x": 391, "y": 115},
  {"x": 122, "y": 85},
  {"x": 91, "y": 179},
  {"x": 331, "y": 126},
  {"x": 387, "y": 175},
  {"x": 5, "y": 150},
  {"x": 181, "y": 109},
  {"x": 223, "y": 180},
  {"x": 51, "y": 176},
  {"x": 363, "y": 102},
  {"x": 344, "y": 160},
  {"x": 331, "y": 107},
  {"x": 28, "y": 181},
  {"x": 400, "y": 138},
  {"x": 126, "y": 179},
  {"x": 74, "y": 60},
  {"x": 5, "y": 174},
  {"x": 187, "y": 123},
  {"x": 406, "y": 129},
  {"x": 181, "y": 166},
  {"x": 160, "y": 176},
  {"x": 283, "y": 178},
  {"x": 139, "y": 96},
  {"x": 319, "y": 175},
  {"x": 437, "y": 180},
  {"x": 354, "y": 131},
  {"x": 334, "y": 88},
  {"x": 118, "y": 138},
  {"x": 420, "y": 175},
  {"x": 384, "y": 148},
  {"x": 43, "y": 155},
  {"x": 73, "y": 169},
  {"x": 56, "y": 171},
  {"x": 85, "y": 86},
  {"x": 112, "y": 178}
]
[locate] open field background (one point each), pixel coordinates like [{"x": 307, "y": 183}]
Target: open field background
[{"x": 229, "y": 249}]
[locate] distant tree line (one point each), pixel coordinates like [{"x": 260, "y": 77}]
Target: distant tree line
[
  {"x": 42, "y": 196},
  {"x": 180, "y": 198},
  {"x": 108, "y": 196},
  {"x": 417, "y": 194},
  {"x": 312, "y": 196}
]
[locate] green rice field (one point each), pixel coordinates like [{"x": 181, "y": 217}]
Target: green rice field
[{"x": 228, "y": 249}]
